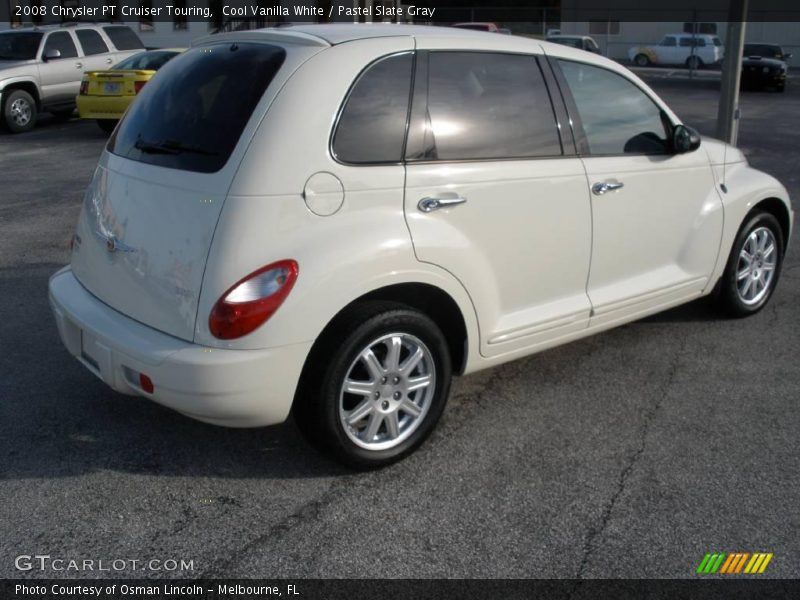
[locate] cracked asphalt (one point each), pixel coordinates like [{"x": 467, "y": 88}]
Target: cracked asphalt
[{"x": 628, "y": 454}]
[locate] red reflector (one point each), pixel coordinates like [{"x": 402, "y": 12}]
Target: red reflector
[
  {"x": 84, "y": 88},
  {"x": 137, "y": 86},
  {"x": 146, "y": 383},
  {"x": 251, "y": 301}
]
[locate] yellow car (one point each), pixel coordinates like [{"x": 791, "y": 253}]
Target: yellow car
[{"x": 105, "y": 95}]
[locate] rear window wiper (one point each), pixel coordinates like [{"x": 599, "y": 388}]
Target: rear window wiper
[{"x": 169, "y": 147}]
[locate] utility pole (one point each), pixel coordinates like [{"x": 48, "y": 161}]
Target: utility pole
[{"x": 728, "y": 111}]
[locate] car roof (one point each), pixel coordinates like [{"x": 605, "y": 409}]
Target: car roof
[{"x": 331, "y": 34}]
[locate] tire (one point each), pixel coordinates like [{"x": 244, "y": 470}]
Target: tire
[
  {"x": 641, "y": 60},
  {"x": 19, "y": 111},
  {"x": 694, "y": 63},
  {"x": 745, "y": 288},
  {"x": 107, "y": 125},
  {"x": 400, "y": 419},
  {"x": 781, "y": 87}
]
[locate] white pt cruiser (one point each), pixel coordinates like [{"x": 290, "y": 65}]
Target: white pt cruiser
[{"x": 332, "y": 220}]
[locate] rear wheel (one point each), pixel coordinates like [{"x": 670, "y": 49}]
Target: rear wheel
[
  {"x": 694, "y": 63},
  {"x": 376, "y": 385},
  {"x": 19, "y": 111},
  {"x": 107, "y": 125},
  {"x": 641, "y": 60},
  {"x": 753, "y": 267}
]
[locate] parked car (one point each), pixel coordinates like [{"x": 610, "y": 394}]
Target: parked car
[
  {"x": 105, "y": 95},
  {"x": 41, "y": 67},
  {"x": 332, "y": 220},
  {"x": 676, "y": 49},
  {"x": 581, "y": 42},
  {"x": 764, "y": 65},
  {"x": 489, "y": 27}
]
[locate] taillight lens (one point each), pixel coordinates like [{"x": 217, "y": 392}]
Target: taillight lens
[
  {"x": 84, "y": 88},
  {"x": 137, "y": 86},
  {"x": 251, "y": 301}
]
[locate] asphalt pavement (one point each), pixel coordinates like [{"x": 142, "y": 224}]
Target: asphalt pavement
[{"x": 628, "y": 454}]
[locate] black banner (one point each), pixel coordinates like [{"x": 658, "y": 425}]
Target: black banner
[{"x": 398, "y": 589}]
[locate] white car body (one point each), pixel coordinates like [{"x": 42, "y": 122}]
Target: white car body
[
  {"x": 676, "y": 49},
  {"x": 532, "y": 260}
]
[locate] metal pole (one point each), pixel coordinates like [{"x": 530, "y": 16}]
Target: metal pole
[{"x": 728, "y": 112}]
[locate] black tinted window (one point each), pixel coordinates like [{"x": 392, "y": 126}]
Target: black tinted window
[
  {"x": 123, "y": 37},
  {"x": 372, "y": 124},
  {"x": 19, "y": 45},
  {"x": 62, "y": 42},
  {"x": 91, "y": 42},
  {"x": 191, "y": 114},
  {"x": 484, "y": 105},
  {"x": 617, "y": 116}
]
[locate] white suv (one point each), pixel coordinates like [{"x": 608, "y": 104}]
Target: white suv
[
  {"x": 692, "y": 50},
  {"x": 334, "y": 219}
]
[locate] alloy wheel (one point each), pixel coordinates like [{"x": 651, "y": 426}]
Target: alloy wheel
[{"x": 755, "y": 270}]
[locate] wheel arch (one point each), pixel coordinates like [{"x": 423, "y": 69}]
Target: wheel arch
[
  {"x": 25, "y": 85},
  {"x": 777, "y": 208}
]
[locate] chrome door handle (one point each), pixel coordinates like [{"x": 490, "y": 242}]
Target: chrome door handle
[
  {"x": 78, "y": 65},
  {"x": 109, "y": 61},
  {"x": 600, "y": 188},
  {"x": 430, "y": 204}
]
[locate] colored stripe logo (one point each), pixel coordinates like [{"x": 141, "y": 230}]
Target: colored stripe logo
[{"x": 733, "y": 563}]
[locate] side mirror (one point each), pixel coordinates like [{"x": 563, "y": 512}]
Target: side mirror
[
  {"x": 684, "y": 139},
  {"x": 52, "y": 54},
  {"x": 787, "y": 55}
]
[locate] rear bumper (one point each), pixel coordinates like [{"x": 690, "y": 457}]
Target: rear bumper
[
  {"x": 234, "y": 388},
  {"x": 102, "y": 107}
]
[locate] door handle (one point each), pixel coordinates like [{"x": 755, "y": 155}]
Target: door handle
[
  {"x": 78, "y": 65},
  {"x": 600, "y": 188},
  {"x": 430, "y": 204},
  {"x": 109, "y": 61}
]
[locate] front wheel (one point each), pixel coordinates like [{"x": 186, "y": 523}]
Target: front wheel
[
  {"x": 753, "y": 267},
  {"x": 19, "y": 111},
  {"x": 641, "y": 60},
  {"x": 376, "y": 385},
  {"x": 694, "y": 63}
]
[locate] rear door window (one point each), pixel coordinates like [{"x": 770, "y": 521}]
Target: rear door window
[
  {"x": 61, "y": 41},
  {"x": 190, "y": 116},
  {"x": 91, "y": 42},
  {"x": 123, "y": 37},
  {"x": 488, "y": 106},
  {"x": 372, "y": 124}
]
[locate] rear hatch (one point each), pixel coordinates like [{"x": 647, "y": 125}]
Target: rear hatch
[{"x": 149, "y": 215}]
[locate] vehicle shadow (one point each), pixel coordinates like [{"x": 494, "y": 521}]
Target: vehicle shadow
[
  {"x": 698, "y": 310},
  {"x": 59, "y": 420}
]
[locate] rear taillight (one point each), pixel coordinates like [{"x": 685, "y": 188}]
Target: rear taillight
[
  {"x": 84, "y": 88},
  {"x": 251, "y": 301},
  {"x": 137, "y": 86}
]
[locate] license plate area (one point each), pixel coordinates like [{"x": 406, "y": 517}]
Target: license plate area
[{"x": 112, "y": 89}]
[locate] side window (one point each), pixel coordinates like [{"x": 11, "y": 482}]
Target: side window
[
  {"x": 668, "y": 41},
  {"x": 488, "y": 105},
  {"x": 123, "y": 37},
  {"x": 91, "y": 42},
  {"x": 372, "y": 123},
  {"x": 617, "y": 116},
  {"x": 62, "y": 41}
]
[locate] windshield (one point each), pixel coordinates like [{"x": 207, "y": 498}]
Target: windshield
[
  {"x": 146, "y": 61},
  {"x": 19, "y": 45},
  {"x": 763, "y": 50},
  {"x": 191, "y": 114}
]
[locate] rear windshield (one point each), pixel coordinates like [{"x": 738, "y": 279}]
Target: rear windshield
[
  {"x": 147, "y": 61},
  {"x": 19, "y": 45},
  {"x": 191, "y": 114}
]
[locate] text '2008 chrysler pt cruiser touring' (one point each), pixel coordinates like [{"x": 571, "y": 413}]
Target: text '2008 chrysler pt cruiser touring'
[{"x": 332, "y": 220}]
